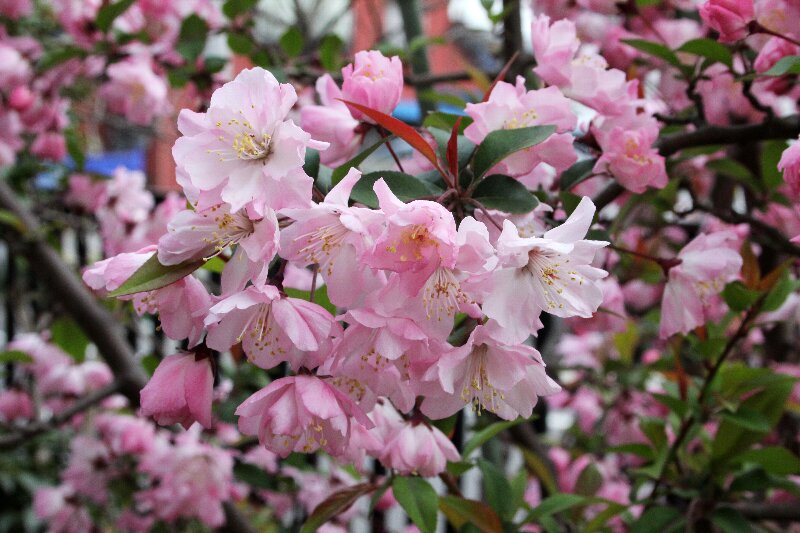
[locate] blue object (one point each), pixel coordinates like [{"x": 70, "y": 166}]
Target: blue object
[
  {"x": 410, "y": 111},
  {"x": 103, "y": 163}
]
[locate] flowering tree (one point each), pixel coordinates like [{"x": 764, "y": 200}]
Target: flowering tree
[{"x": 570, "y": 305}]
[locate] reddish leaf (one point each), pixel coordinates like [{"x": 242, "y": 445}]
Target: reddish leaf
[
  {"x": 401, "y": 129},
  {"x": 452, "y": 150},
  {"x": 500, "y": 76},
  {"x": 460, "y": 511},
  {"x": 336, "y": 503}
]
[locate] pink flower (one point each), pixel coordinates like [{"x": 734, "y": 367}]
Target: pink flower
[
  {"x": 85, "y": 193},
  {"x": 271, "y": 327},
  {"x": 15, "y": 9},
  {"x": 628, "y": 155},
  {"x": 374, "y": 81},
  {"x": 708, "y": 262},
  {"x": 552, "y": 273},
  {"x": 773, "y": 51},
  {"x": 790, "y": 166},
  {"x": 57, "y": 506},
  {"x": 554, "y": 47},
  {"x": 331, "y": 122},
  {"x": 335, "y": 237},
  {"x": 191, "y": 479},
  {"x": 15, "y": 405},
  {"x": 244, "y": 145},
  {"x": 728, "y": 17},
  {"x": 109, "y": 274},
  {"x": 417, "y": 448},
  {"x": 21, "y": 98},
  {"x": 194, "y": 235},
  {"x": 49, "y": 145},
  {"x": 128, "y": 197},
  {"x": 504, "y": 379},
  {"x": 181, "y": 308},
  {"x": 302, "y": 414},
  {"x": 135, "y": 91},
  {"x": 14, "y": 68},
  {"x": 126, "y": 434},
  {"x": 512, "y": 107},
  {"x": 180, "y": 391},
  {"x": 418, "y": 237}
]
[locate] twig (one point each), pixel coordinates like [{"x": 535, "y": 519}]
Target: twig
[{"x": 81, "y": 404}]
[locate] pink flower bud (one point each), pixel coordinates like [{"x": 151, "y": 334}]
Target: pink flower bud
[
  {"x": 49, "y": 145},
  {"x": 728, "y": 17},
  {"x": 180, "y": 391},
  {"x": 20, "y": 98},
  {"x": 374, "y": 81}
]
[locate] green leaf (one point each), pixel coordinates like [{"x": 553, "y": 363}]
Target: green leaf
[
  {"x": 576, "y": 174},
  {"x": 192, "y": 37},
  {"x": 330, "y": 52},
  {"x": 497, "y": 490},
  {"x": 786, "y": 65},
  {"x": 215, "y": 265},
  {"x": 15, "y": 356},
  {"x": 504, "y": 193},
  {"x": 636, "y": 448},
  {"x": 589, "y": 481},
  {"x": 446, "y": 121},
  {"x": 770, "y": 156},
  {"x": 747, "y": 419},
  {"x": 10, "y": 219},
  {"x": 418, "y": 499},
  {"x": 149, "y": 362},
  {"x": 75, "y": 148},
  {"x": 153, "y": 275},
  {"x": 738, "y": 297},
  {"x": 292, "y": 41},
  {"x": 212, "y": 65},
  {"x": 108, "y": 13},
  {"x": 240, "y": 43},
  {"x": 342, "y": 170},
  {"x": 461, "y": 511},
  {"x": 733, "y": 437},
  {"x": 708, "y": 48},
  {"x": 320, "y": 297},
  {"x": 653, "y": 429},
  {"x": 661, "y": 519},
  {"x": 58, "y": 56},
  {"x": 458, "y": 468},
  {"x": 779, "y": 293},
  {"x": 311, "y": 165},
  {"x": 253, "y": 475},
  {"x": 334, "y": 504},
  {"x": 483, "y": 436},
  {"x": 729, "y": 520},
  {"x": 773, "y": 459},
  {"x": 405, "y": 186},
  {"x": 555, "y": 504},
  {"x": 676, "y": 405},
  {"x": 68, "y": 336},
  {"x": 653, "y": 49},
  {"x": 500, "y": 144},
  {"x": 234, "y": 8},
  {"x": 734, "y": 169}
]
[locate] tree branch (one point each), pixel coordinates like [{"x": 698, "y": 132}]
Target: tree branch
[{"x": 81, "y": 404}]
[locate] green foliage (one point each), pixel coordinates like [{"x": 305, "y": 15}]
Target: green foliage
[
  {"x": 500, "y": 144},
  {"x": 461, "y": 512},
  {"x": 342, "y": 170},
  {"x": 107, "y": 14},
  {"x": 654, "y": 49},
  {"x": 786, "y": 65},
  {"x": 68, "y": 336},
  {"x": 506, "y": 194},
  {"x": 192, "y": 37},
  {"x": 292, "y": 41},
  {"x": 710, "y": 49},
  {"x": 404, "y": 186},
  {"x": 418, "y": 500},
  {"x": 153, "y": 275},
  {"x": 334, "y": 504}
]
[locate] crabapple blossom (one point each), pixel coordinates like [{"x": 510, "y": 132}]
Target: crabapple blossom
[
  {"x": 790, "y": 166},
  {"x": 708, "y": 262},
  {"x": 417, "y": 448},
  {"x": 374, "y": 81},
  {"x": 271, "y": 327},
  {"x": 300, "y": 413},
  {"x": 135, "y": 91},
  {"x": 331, "y": 122},
  {"x": 247, "y": 149},
  {"x": 552, "y": 273},
  {"x": 180, "y": 390},
  {"x": 730, "y": 18}
]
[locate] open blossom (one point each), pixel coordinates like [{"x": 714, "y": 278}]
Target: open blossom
[
  {"x": 790, "y": 166},
  {"x": 708, "y": 262},
  {"x": 331, "y": 122},
  {"x": 729, "y": 18},
  {"x": 335, "y": 237},
  {"x": 504, "y": 379},
  {"x": 552, "y": 273},
  {"x": 511, "y": 107},
  {"x": 271, "y": 327},
  {"x": 554, "y": 46},
  {"x": 49, "y": 145},
  {"x": 57, "y": 505},
  {"x": 418, "y": 237},
  {"x": 374, "y": 81},
  {"x": 180, "y": 391},
  {"x": 135, "y": 91},
  {"x": 300, "y": 413},
  {"x": 245, "y": 145}
]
